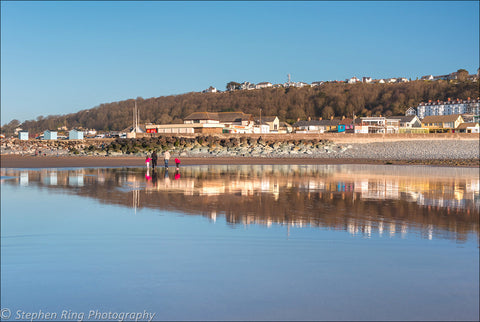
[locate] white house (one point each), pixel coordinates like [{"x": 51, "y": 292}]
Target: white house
[
  {"x": 352, "y": 80},
  {"x": 50, "y": 135},
  {"x": 370, "y": 125},
  {"x": 75, "y": 135},
  {"x": 211, "y": 89},
  {"x": 263, "y": 85},
  {"x": 402, "y": 80},
  {"x": 409, "y": 121},
  {"x": 317, "y": 83},
  {"x": 23, "y": 135},
  {"x": 427, "y": 77}
]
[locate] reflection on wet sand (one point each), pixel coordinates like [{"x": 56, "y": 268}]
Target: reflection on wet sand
[{"x": 361, "y": 199}]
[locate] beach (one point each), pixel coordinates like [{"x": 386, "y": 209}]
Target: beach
[
  {"x": 17, "y": 161},
  {"x": 436, "y": 150}
]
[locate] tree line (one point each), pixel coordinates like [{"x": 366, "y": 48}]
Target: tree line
[{"x": 289, "y": 104}]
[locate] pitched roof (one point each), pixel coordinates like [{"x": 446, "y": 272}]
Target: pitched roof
[
  {"x": 441, "y": 118},
  {"x": 465, "y": 125},
  {"x": 265, "y": 119},
  {"x": 202, "y": 116},
  {"x": 233, "y": 116},
  {"x": 346, "y": 121},
  {"x": 402, "y": 118}
]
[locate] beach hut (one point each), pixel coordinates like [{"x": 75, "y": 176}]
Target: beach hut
[
  {"x": 23, "y": 135},
  {"x": 50, "y": 135},
  {"x": 75, "y": 135}
]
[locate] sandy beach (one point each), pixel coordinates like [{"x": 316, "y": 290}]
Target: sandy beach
[{"x": 16, "y": 161}]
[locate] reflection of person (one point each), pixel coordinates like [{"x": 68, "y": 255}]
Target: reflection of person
[
  {"x": 167, "y": 178},
  {"x": 166, "y": 156},
  {"x": 177, "y": 162},
  {"x": 154, "y": 178},
  {"x": 177, "y": 174},
  {"x": 154, "y": 159},
  {"x": 147, "y": 175}
]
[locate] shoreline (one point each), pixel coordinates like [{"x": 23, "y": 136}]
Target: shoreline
[{"x": 18, "y": 161}]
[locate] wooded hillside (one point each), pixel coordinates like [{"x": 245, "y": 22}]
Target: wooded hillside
[{"x": 289, "y": 104}]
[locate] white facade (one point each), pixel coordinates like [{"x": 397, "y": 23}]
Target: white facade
[
  {"x": 50, "y": 135},
  {"x": 448, "y": 108},
  {"x": 23, "y": 135},
  {"x": 263, "y": 85},
  {"x": 75, "y": 135},
  {"x": 352, "y": 80},
  {"x": 367, "y": 79}
]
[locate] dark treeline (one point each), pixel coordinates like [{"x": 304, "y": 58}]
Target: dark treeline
[{"x": 289, "y": 104}]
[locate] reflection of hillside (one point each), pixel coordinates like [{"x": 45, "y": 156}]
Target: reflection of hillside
[{"x": 390, "y": 201}]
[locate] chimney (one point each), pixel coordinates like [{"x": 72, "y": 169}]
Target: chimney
[
  {"x": 429, "y": 101},
  {"x": 468, "y": 98},
  {"x": 343, "y": 117},
  {"x": 331, "y": 117},
  {"x": 309, "y": 118},
  {"x": 319, "y": 118},
  {"x": 449, "y": 99},
  {"x": 298, "y": 119}
]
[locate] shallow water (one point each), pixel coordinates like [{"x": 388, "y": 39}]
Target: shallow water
[{"x": 327, "y": 242}]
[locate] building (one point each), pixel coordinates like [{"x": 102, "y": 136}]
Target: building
[
  {"x": 427, "y": 77},
  {"x": 442, "y": 123},
  {"x": 352, "y": 80},
  {"x": 471, "y": 127},
  {"x": 449, "y": 107},
  {"x": 316, "y": 126},
  {"x": 317, "y": 83},
  {"x": 374, "y": 125},
  {"x": 347, "y": 124},
  {"x": 211, "y": 89},
  {"x": 272, "y": 121},
  {"x": 409, "y": 121},
  {"x": 75, "y": 135},
  {"x": 408, "y": 124},
  {"x": 23, "y": 135},
  {"x": 229, "y": 122},
  {"x": 263, "y": 85},
  {"x": 50, "y": 135},
  {"x": 367, "y": 79}
]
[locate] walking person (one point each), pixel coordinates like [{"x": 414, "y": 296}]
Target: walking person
[
  {"x": 147, "y": 161},
  {"x": 154, "y": 159},
  {"x": 166, "y": 157}
]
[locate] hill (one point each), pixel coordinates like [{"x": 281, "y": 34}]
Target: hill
[{"x": 289, "y": 104}]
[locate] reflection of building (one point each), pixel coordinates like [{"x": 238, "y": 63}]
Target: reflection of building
[{"x": 356, "y": 199}]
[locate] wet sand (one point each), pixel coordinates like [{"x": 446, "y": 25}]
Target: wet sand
[{"x": 16, "y": 161}]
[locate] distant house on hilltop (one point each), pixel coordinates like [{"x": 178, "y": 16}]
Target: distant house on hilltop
[
  {"x": 263, "y": 85},
  {"x": 211, "y": 89}
]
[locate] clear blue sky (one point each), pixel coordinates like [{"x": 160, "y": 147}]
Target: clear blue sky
[{"x": 62, "y": 57}]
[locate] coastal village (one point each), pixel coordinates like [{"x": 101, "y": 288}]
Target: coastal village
[{"x": 451, "y": 116}]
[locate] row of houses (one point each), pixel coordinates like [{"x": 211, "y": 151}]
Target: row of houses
[
  {"x": 449, "y": 107},
  {"x": 239, "y": 122},
  {"x": 351, "y": 80},
  {"x": 391, "y": 124},
  {"x": 451, "y": 76}
]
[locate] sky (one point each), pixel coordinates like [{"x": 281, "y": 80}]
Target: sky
[{"x": 62, "y": 57}]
